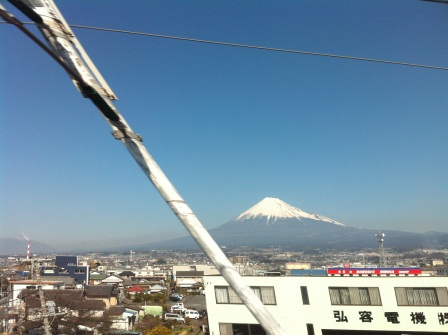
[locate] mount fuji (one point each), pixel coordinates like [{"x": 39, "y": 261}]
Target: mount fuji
[
  {"x": 272, "y": 222},
  {"x": 272, "y": 211}
]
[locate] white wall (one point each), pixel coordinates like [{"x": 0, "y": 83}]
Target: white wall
[{"x": 293, "y": 316}]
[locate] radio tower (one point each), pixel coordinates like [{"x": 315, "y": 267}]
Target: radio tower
[{"x": 380, "y": 239}]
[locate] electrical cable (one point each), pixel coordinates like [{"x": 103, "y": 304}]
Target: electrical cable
[
  {"x": 257, "y": 47},
  {"x": 247, "y": 46}
]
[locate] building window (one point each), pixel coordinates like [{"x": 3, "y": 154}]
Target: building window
[
  {"x": 240, "y": 329},
  {"x": 304, "y": 291},
  {"x": 355, "y": 296},
  {"x": 422, "y": 296},
  {"x": 222, "y": 294},
  {"x": 265, "y": 293},
  {"x": 226, "y": 295}
]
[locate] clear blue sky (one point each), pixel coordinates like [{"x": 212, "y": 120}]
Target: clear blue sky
[{"x": 363, "y": 143}]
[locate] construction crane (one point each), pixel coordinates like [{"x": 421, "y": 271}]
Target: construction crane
[{"x": 65, "y": 49}]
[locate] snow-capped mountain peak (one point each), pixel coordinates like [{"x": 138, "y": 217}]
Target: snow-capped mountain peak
[{"x": 273, "y": 209}]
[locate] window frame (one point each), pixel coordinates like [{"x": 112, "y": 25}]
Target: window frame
[
  {"x": 421, "y": 296},
  {"x": 354, "y": 296},
  {"x": 227, "y": 295}
]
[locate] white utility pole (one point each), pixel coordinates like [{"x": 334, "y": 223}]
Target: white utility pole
[{"x": 68, "y": 52}]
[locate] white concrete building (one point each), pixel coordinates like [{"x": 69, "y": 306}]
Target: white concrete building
[
  {"x": 19, "y": 285},
  {"x": 207, "y": 269},
  {"x": 331, "y": 305},
  {"x": 297, "y": 265}
]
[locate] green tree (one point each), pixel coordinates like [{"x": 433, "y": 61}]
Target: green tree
[
  {"x": 160, "y": 330},
  {"x": 138, "y": 297},
  {"x": 149, "y": 322},
  {"x": 156, "y": 298}
]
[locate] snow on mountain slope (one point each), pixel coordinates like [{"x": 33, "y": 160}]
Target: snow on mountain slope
[{"x": 274, "y": 209}]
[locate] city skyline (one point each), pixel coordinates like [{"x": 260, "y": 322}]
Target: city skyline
[{"x": 362, "y": 143}]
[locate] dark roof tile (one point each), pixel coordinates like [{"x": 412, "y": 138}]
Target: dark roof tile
[{"x": 99, "y": 290}]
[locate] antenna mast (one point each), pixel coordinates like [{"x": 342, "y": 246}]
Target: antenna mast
[
  {"x": 43, "y": 306},
  {"x": 380, "y": 239}
]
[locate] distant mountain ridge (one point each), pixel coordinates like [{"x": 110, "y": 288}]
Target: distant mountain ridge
[
  {"x": 274, "y": 222},
  {"x": 271, "y": 222},
  {"x": 16, "y": 246}
]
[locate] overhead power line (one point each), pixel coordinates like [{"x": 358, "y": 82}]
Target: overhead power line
[
  {"x": 257, "y": 47},
  {"x": 248, "y": 46}
]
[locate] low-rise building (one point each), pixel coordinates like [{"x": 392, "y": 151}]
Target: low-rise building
[
  {"x": 437, "y": 262},
  {"x": 297, "y": 266},
  {"x": 333, "y": 305},
  {"x": 67, "y": 267},
  {"x": 107, "y": 293},
  {"x": 18, "y": 286}
]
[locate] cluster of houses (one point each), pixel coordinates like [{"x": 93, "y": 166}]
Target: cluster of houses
[
  {"x": 301, "y": 299},
  {"x": 73, "y": 291}
]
